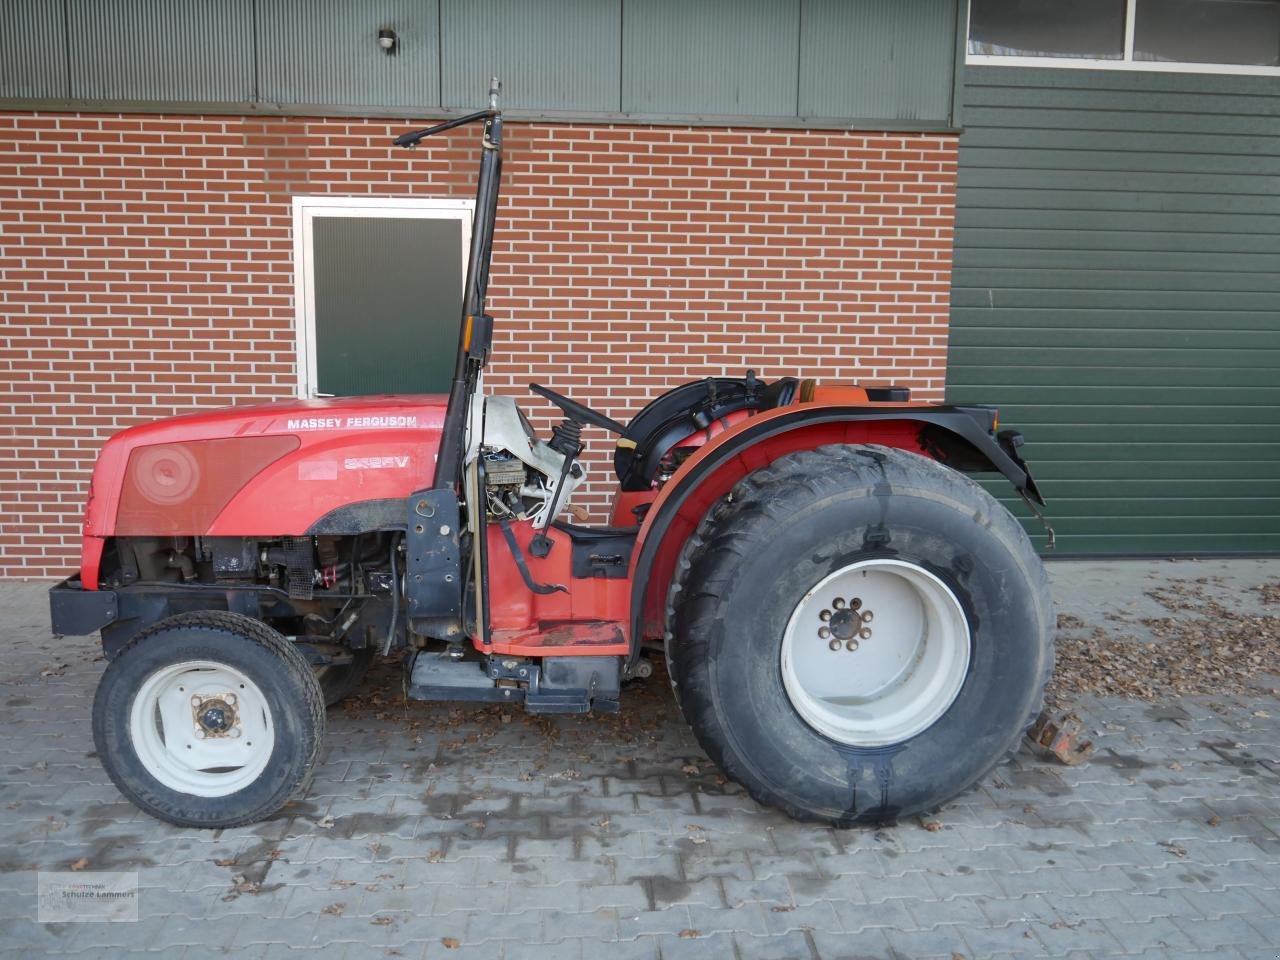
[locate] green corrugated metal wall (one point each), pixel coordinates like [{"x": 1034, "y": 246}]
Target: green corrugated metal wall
[
  {"x": 869, "y": 64},
  {"x": 1116, "y": 293}
]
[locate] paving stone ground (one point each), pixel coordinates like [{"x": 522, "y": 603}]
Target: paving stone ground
[{"x": 439, "y": 831}]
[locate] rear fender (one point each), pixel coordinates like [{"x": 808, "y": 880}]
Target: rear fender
[{"x": 957, "y": 436}]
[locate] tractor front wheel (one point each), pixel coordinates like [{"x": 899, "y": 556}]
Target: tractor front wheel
[
  {"x": 209, "y": 719},
  {"x": 860, "y": 634}
]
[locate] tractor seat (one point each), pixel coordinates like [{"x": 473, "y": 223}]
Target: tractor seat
[{"x": 685, "y": 409}]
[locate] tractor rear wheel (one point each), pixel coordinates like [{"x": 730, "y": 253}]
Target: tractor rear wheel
[
  {"x": 860, "y": 633},
  {"x": 209, "y": 719}
]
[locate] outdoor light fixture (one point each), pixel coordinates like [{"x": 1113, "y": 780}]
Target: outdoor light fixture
[{"x": 388, "y": 41}]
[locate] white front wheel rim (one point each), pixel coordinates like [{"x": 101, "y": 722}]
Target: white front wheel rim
[
  {"x": 202, "y": 728},
  {"x": 875, "y": 653}
]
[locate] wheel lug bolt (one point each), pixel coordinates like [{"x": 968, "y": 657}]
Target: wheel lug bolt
[
  {"x": 824, "y": 632},
  {"x": 865, "y": 633},
  {"x": 824, "y": 615},
  {"x": 856, "y": 603},
  {"x": 838, "y": 603},
  {"x": 867, "y": 616},
  {"x": 851, "y": 646},
  {"x": 835, "y": 644}
]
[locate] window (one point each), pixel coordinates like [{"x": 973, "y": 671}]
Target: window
[
  {"x": 379, "y": 293},
  {"x": 1208, "y": 31},
  {"x": 1221, "y": 36},
  {"x": 1048, "y": 28}
]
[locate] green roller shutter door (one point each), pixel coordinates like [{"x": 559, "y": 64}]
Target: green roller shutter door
[{"x": 1116, "y": 293}]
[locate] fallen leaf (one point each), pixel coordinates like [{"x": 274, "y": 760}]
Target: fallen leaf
[
  {"x": 81, "y": 864},
  {"x": 242, "y": 884},
  {"x": 382, "y": 920},
  {"x": 1214, "y": 820},
  {"x": 933, "y": 826},
  {"x": 691, "y": 769},
  {"x": 334, "y": 909},
  {"x": 325, "y": 822},
  {"x": 689, "y": 934},
  {"x": 1177, "y": 851},
  {"x": 450, "y": 943},
  {"x": 226, "y": 862}
]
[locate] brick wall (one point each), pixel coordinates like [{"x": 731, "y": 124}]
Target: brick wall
[{"x": 146, "y": 269}]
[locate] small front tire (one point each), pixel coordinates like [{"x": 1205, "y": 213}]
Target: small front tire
[{"x": 209, "y": 719}]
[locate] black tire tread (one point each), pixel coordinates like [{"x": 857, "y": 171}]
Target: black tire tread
[
  {"x": 276, "y": 644},
  {"x": 720, "y": 532}
]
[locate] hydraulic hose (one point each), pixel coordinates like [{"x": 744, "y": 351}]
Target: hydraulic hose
[{"x": 395, "y": 601}]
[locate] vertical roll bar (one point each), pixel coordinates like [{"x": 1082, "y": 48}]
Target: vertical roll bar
[{"x": 474, "y": 331}]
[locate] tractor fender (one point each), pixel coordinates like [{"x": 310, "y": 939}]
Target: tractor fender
[{"x": 960, "y": 437}]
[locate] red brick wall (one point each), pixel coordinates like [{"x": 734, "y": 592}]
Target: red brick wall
[{"x": 146, "y": 269}]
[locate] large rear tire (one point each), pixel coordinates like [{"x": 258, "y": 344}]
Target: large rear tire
[
  {"x": 860, "y": 633},
  {"x": 209, "y": 719}
]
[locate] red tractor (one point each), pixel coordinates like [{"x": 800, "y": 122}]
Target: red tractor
[{"x": 853, "y": 627}]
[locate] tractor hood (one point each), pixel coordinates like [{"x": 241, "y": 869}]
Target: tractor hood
[{"x": 271, "y": 469}]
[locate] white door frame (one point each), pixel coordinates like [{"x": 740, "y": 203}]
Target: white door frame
[{"x": 305, "y": 210}]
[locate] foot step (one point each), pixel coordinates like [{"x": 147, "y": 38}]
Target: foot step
[
  {"x": 435, "y": 677},
  {"x": 555, "y": 685}
]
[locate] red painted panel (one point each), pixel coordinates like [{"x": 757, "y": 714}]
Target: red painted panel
[
  {"x": 180, "y": 488},
  {"x": 903, "y": 434},
  {"x": 519, "y": 616},
  {"x": 90, "y": 561},
  {"x": 622, "y": 512},
  {"x": 338, "y": 451}
]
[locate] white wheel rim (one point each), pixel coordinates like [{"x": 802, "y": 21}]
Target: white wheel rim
[
  {"x": 202, "y": 728},
  {"x": 895, "y": 672}
]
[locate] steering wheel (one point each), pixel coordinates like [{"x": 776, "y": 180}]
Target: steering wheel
[{"x": 576, "y": 411}]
